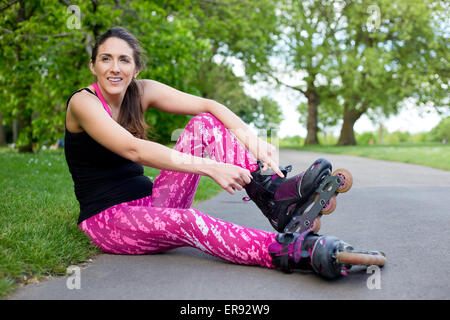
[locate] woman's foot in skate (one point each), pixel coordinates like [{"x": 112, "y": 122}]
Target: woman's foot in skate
[{"x": 278, "y": 197}]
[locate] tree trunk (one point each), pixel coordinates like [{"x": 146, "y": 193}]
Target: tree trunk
[
  {"x": 380, "y": 134},
  {"x": 15, "y": 131},
  {"x": 311, "y": 122},
  {"x": 2, "y": 133},
  {"x": 23, "y": 121},
  {"x": 347, "y": 136},
  {"x": 23, "y": 124}
]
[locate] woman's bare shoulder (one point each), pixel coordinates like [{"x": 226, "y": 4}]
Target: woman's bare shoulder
[{"x": 83, "y": 99}]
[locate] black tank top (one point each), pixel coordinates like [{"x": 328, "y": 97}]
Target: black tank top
[{"x": 101, "y": 177}]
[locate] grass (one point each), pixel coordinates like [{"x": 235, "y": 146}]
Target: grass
[
  {"x": 39, "y": 237},
  {"x": 435, "y": 155}
]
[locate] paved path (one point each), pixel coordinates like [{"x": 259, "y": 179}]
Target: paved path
[{"x": 400, "y": 209}]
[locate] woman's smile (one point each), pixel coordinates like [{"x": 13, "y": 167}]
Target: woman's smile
[{"x": 115, "y": 80}]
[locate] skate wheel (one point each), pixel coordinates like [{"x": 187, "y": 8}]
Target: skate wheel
[
  {"x": 316, "y": 225},
  {"x": 330, "y": 206},
  {"x": 347, "y": 180},
  {"x": 355, "y": 258}
]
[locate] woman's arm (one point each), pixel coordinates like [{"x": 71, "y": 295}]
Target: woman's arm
[
  {"x": 170, "y": 100},
  {"x": 90, "y": 115},
  {"x": 165, "y": 98}
]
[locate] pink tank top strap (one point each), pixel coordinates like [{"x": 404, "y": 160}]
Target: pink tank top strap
[{"x": 100, "y": 96}]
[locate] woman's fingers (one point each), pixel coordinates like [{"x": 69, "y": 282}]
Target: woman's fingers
[
  {"x": 232, "y": 178},
  {"x": 272, "y": 164},
  {"x": 230, "y": 190},
  {"x": 277, "y": 170},
  {"x": 267, "y": 154},
  {"x": 238, "y": 183},
  {"x": 247, "y": 178},
  {"x": 237, "y": 186}
]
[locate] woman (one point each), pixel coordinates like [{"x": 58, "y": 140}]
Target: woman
[{"x": 121, "y": 210}]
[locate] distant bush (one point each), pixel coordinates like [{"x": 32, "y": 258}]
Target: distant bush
[
  {"x": 397, "y": 137},
  {"x": 292, "y": 141},
  {"x": 328, "y": 139},
  {"x": 365, "y": 138},
  {"x": 441, "y": 131},
  {"x": 421, "y": 137}
]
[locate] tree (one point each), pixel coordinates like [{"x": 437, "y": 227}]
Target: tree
[
  {"x": 44, "y": 61},
  {"x": 13, "y": 55},
  {"x": 190, "y": 35},
  {"x": 305, "y": 49},
  {"x": 400, "y": 56},
  {"x": 245, "y": 30},
  {"x": 218, "y": 82},
  {"x": 359, "y": 57}
]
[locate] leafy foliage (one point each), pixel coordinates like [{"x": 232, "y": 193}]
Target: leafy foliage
[
  {"x": 351, "y": 62},
  {"x": 45, "y": 59},
  {"x": 442, "y": 131}
]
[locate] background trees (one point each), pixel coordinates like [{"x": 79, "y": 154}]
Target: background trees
[
  {"x": 46, "y": 46},
  {"x": 347, "y": 58},
  {"x": 364, "y": 57}
]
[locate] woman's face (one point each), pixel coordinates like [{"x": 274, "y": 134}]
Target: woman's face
[{"x": 114, "y": 66}]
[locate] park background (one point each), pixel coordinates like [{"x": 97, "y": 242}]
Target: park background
[{"x": 327, "y": 76}]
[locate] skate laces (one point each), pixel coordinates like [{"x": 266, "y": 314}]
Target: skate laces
[{"x": 284, "y": 170}]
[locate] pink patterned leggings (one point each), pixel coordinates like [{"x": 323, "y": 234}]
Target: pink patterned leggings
[{"x": 164, "y": 220}]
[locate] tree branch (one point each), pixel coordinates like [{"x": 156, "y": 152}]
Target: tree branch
[
  {"x": 39, "y": 36},
  {"x": 218, "y": 3},
  {"x": 65, "y": 2},
  {"x": 287, "y": 85},
  {"x": 7, "y": 31},
  {"x": 6, "y": 6}
]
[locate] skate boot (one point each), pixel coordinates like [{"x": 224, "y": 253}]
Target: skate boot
[
  {"x": 293, "y": 204},
  {"x": 326, "y": 256}
]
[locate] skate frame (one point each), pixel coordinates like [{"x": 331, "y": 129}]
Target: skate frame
[{"x": 303, "y": 217}]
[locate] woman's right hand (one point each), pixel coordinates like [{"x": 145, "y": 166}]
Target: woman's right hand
[{"x": 230, "y": 177}]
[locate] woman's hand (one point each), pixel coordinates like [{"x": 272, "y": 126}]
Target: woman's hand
[
  {"x": 229, "y": 176},
  {"x": 267, "y": 153}
]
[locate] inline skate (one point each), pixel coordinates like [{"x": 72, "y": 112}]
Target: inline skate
[
  {"x": 293, "y": 204},
  {"x": 326, "y": 256}
]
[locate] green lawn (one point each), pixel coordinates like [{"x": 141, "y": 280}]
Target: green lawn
[
  {"x": 39, "y": 236},
  {"x": 435, "y": 155}
]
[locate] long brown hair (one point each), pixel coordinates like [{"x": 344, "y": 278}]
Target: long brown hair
[{"x": 131, "y": 115}]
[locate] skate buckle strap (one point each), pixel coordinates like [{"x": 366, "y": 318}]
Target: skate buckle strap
[
  {"x": 286, "y": 240},
  {"x": 281, "y": 259}
]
